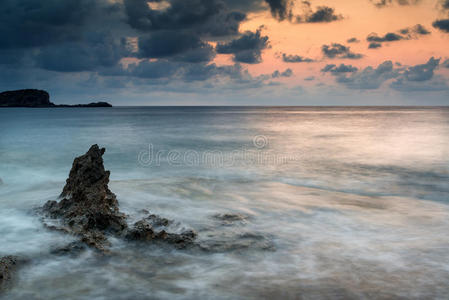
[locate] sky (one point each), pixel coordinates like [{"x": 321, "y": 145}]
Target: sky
[{"x": 228, "y": 52}]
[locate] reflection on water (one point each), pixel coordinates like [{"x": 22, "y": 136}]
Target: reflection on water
[{"x": 363, "y": 212}]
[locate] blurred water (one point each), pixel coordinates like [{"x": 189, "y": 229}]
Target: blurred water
[{"x": 334, "y": 202}]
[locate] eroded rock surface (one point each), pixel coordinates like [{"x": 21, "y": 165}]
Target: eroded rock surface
[
  {"x": 90, "y": 210},
  {"x": 8, "y": 265}
]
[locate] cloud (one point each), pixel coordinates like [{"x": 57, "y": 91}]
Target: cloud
[
  {"x": 419, "y": 77},
  {"x": 309, "y": 78},
  {"x": 342, "y": 68},
  {"x": 374, "y": 45},
  {"x": 281, "y": 9},
  {"x": 369, "y": 77},
  {"x": 247, "y": 48},
  {"x": 295, "y": 58},
  {"x": 322, "y": 14},
  {"x": 389, "y": 37},
  {"x": 445, "y": 4},
  {"x": 287, "y": 73},
  {"x": 404, "y": 34},
  {"x": 445, "y": 64},
  {"x": 422, "y": 72},
  {"x": 30, "y": 23},
  {"x": 442, "y": 24},
  {"x": 384, "y": 3},
  {"x": 352, "y": 40},
  {"x": 170, "y": 43},
  {"x": 204, "y": 17},
  {"x": 97, "y": 50},
  {"x": 336, "y": 50}
]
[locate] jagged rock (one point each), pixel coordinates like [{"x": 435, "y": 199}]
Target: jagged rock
[
  {"x": 91, "y": 211},
  {"x": 158, "y": 221},
  {"x": 8, "y": 265},
  {"x": 141, "y": 231},
  {"x": 144, "y": 231},
  {"x": 88, "y": 207}
]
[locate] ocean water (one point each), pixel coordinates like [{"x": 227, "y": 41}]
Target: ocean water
[{"x": 329, "y": 203}]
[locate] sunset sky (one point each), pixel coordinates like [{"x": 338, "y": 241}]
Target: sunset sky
[{"x": 228, "y": 52}]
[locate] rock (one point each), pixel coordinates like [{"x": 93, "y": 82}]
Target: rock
[
  {"x": 88, "y": 209},
  {"x": 158, "y": 221},
  {"x": 25, "y": 98},
  {"x": 141, "y": 231},
  {"x": 8, "y": 266},
  {"x": 37, "y": 98},
  {"x": 230, "y": 219},
  {"x": 72, "y": 249},
  {"x": 93, "y": 104},
  {"x": 1, "y": 181}
]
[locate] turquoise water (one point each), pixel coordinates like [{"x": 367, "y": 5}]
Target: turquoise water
[{"x": 334, "y": 202}]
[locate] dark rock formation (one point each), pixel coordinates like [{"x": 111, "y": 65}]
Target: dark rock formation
[
  {"x": 88, "y": 207},
  {"x": 90, "y": 210},
  {"x": 37, "y": 98},
  {"x": 144, "y": 231},
  {"x": 8, "y": 265},
  {"x": 93, "y": 104},
  {"x": 25, "y": 98}
]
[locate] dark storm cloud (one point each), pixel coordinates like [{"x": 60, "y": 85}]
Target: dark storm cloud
[
  {"x": 204, "y": 17},
  {"x": 352, "y": 40},
  {"x": 384, "y": 3},
  {"x": 98, "y": 49},
  {"x": 295, "y": 58},
  {"x": 160, "y": 44},
  {"x": 442, "y": 24},
  {"x": 31, "y": 23},
  {"x": 411, "y": 78},
  {"x": 247, "y": 48},
  {"x": 336, "y": 50},
  {"x": 287, "y": 73},
  {"x": 374, "y": 45},
  {"x": 342, "y": 68}
]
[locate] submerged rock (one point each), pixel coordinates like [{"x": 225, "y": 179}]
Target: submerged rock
[
  {"x": 8, "y": 265},
  {"x": 90, "y": 210},
  {"x": 230, "y": 219}
]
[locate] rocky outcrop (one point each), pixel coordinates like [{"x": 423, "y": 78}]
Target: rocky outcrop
[
  {"x": 8, "y": 265},
  {"x": 25, "y": 98},
  {"x": 88, "y": 207},
  {"x": 37, "y": 98},
  {"x": 93, "y": 104},
  {"x": 90, "y": 210}
]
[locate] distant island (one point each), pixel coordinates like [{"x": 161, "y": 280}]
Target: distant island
[{"x": 37, "y": 98}]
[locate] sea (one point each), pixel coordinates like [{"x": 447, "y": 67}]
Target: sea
[{"x": 288, "y": 202}]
